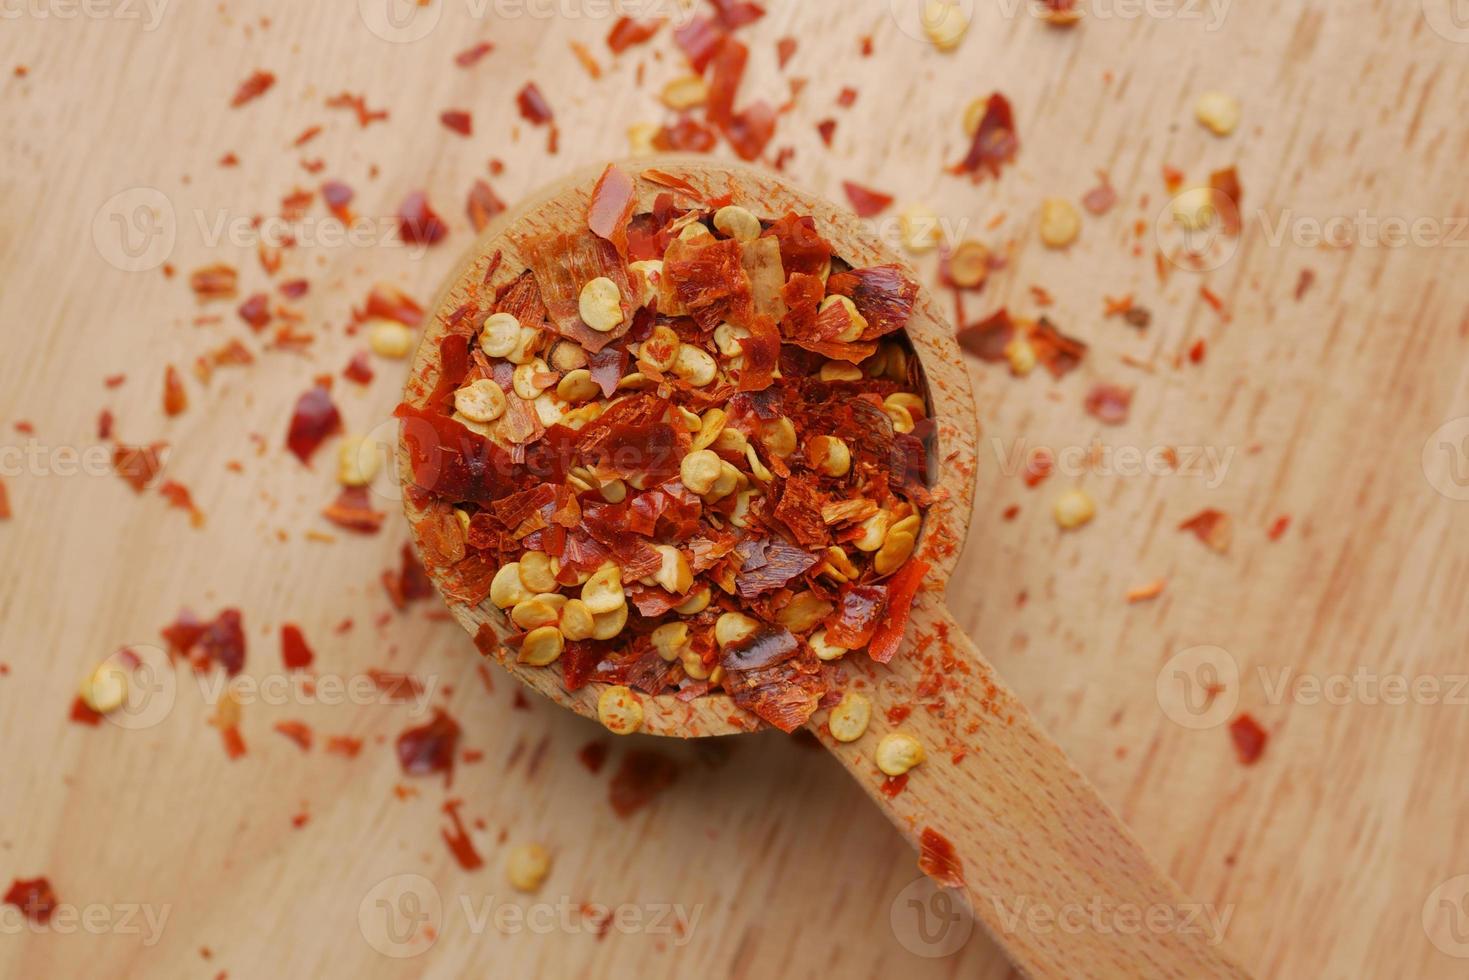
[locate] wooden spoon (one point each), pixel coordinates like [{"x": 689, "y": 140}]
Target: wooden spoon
[{"x": 997, "y": 810}]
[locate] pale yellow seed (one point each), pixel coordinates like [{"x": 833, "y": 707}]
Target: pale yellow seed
[
  {"x": 388, "y": 338},
  {"x": 840, "y": 371},
  {"x": 740, "y": 516},
  {"x": 1021, "y": 355},
  {"x": 690, "y": 419},
  {"x": 614, "y": 491},
  {"x": 896, "y": 549},
  {"x": 1195, "y": 209},
  {"x": 698, "y": 471},
  {"x": 685, "y": 92},
  {"x": 696, "y": 603},
  {"x": 849, "y": 719},
  {"x": 1074, "y": 508},
  {"x": 671, "y": 640},
  {"x": 830, "y": 455},
  {"x": 661, "y": 349},
  {"x": 969, "y": 264},
  {"x": 640, "y": 138},
  {"x": 500, "y": 335},
  {"x": 913, "y": 403},
  {"x": 645, "y": 274},
  {"x": 824, "y": 648},
  {"x": 603, "y": 591},
  {"x": 620, "y": 710},
  {"x": 908, "y": 525},
  {"x": 1218, "y": 112},
  {"x": 918, "y": 228},
  {"x": 578, "y": 386},
  {"x": 729, "y": 481},
  {"x": 506, "y": 588},
  {"x": 607, "y": 625},
  {"x": 541, "y": 647},
  {"x": 730, "y": 441},
  {"x": 945, "y": 22},
  {"x": 757, "y": 469},
  {"x": 710, "y": 426},
  {"x": 1060, "y": 222},
  {"x": 840, "y": 563},
  {"x": 534, "y": 613},
  {"x": 732, "y": 627},
  {"x": 357, "y": 462},
  {"x": 106, "y": 688},
  {"x": 728, "y": 337},
  {"x": 737, "y": 223},
  {"x": 674, "y": 574},
  {"x": 576, "y": 621},
  {"x": 901, "y": 418},
  {"x": 527, "y": 865},
  {"x": 694, "y": 231},
  {"x": 804, "y": 612},
  {"x": 694, "y": 365},
  {"x": 779, "y": 437},
  {"x": 874, "y": 531},
  {"x": 856, "y": 322},
  {"x": 898, "y": 752},
  {"x": 538, "y": 571},
  {"x": 600, "y": 305},
  {"x": 693, "y": 665},
  {"x": 529, "y": 380},
  {"x": 525, "y": 346},
  {"x": 566, "y": 356},
  {"x": 482, "y": 401}
]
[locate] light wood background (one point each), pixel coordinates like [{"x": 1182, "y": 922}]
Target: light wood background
[{"x": 1325, "y": 854}]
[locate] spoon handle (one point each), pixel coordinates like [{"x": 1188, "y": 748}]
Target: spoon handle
[{"x": 998, "y": 811}]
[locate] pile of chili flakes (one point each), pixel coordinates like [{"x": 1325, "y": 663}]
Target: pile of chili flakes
[{"x": 580, "y": 477}]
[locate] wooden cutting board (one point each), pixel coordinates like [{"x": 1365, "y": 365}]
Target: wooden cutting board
[{"x": 1339, "y": 853}]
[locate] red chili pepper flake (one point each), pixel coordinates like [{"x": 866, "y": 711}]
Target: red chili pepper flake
[
  {"x": 1109, "y": 403},
  {"x": 785, "y": 50},
  {"x": 313, "y": 421},
  {"x": 865, "y": 46},
  {"x": 628, "y": 31},
  {"x": 643, "y": 774},
  {"x": 593, "y": 755},
  {"x": 178, "y": 496},
  {"x": 1249, "y": 738},
  {"x": 1100, "y": 199},
  {"x": 344, "y": 745},
  {"x": 400, "y": 687},
  {"x": 893, "y": 786},
  {"x": 1304, "y": 283},
  {"x": 390, "y": 303},
  {"x": 297, "y": 731},
  {"x": 483, "y": 205},
  {"x": 307, "y": 135},
  {"x": 229, "y": 160},
  {"x": 138, "y": 465},
  {"x": 613, "y": 199},
  {"x": 1142, "y": 593},
  {"x": 429, "y": 748},
  {"x": 34, "y": 897},
  {"x": 175, "y": 400},
  {"x": 417, "y": 222},
  {"x": 1212, "y": 299},
  {"x": 866, "y": 201},
  {"x": 1213, "y": 527},
  {"x": 115, "y": 380},
  {"x": 295, "y": 288},
  {"x": 409, "y": 583},
  {"x": 995, "y": 140},
  {"x": 252, "y": 88},
  {"x": 847, "y": 97},
  {"x": 296, "y": 653},
  {"x": 21, "y": 71},
  {"x": 457, "y": 837},
  {"x": 1279, "y": 527},
  {"x": 338, "y": 197},
  {"x": 685, "y": 135},
  {"x": 470, "y": 56},
  {"x": 1196, "y": 352},
  {"x": 458, "y": 121},
  {"x": 826, "y": 129},
  {"x": 534, "y": 108},
  {"x": 751, "y": 130},
  {"x": 234, "y": 742},
  {"x": 938, "y": 859},
  {"x": 214, "y": 282},
  {"x": 255, "y": 311},
  {"x": 359, "y": 369},
  {"x": 104, "y": 424},
  {"x": 358, "y": 104},
  {"x": 82, "y": 714},
  {"x": 902, "y": 588},
  {"x": 353, "y": 511}
]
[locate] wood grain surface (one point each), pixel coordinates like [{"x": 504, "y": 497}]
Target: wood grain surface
[{"x": 1338, "y": 854}]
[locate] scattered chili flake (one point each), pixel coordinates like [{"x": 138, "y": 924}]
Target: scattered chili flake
[
  {"x": 534, "y": 108},
  {"x": 457, "y": 837},
  {"x": 400, "y": 688},
  {"x": 785, "y": 50},
  {"x": 307, "y": 135},
  {"x": 468, "y": 57},
  {"x": 178, "y": 496},
  {"x": 938, "y": 859},
  {"x": 344, "y": 745},
  {"x": 457, "y": 120},
  {"x": 358, "y": 104},
  {"x": 417, "y": 222},
  {"x": 613, "y": 199},
  {"x": 643, "y": 774},
  {"x": 214, "y": 282},
  {"x": 847, "y": 97},
  {"x": 115, "y": 380},
  {"x": 390, "y": 303},
  {"x": 175, "y": 399},
  {"x": 1100, "y": 199},
  {"x": 83, "y": 714},
  {"x": 865, "y": 201},
  {"x": 483, "y": 205},
  {"x": 893, "y": 786},
  {"x": 104, "y": 424},
  {"x": 297, "y": 731},
  {"x": 826, "y": 129},
  {"x": 628, "y": 31},
  {"x": 252, "y": 88},
  {"x": 138, "y": 465},
  {"x": 409, "y": 583},
  {"x": 34, "y": 897},
  {"x": 902, "y": 587},
  {"x": 313, "y": 421},
  {"x": 338, "y": 197},
  {"x": 353, "y": 510},
  {"x": 359, "y": 369},
  {"x": 1109, "y": 403},
  {"x": 1304, "y": 283},
  {"x": 1213, "y": 527},
  {"x": 1196, "y": 352},
  {"x": 229, "y": 160},
  {"x": 1279, "y": 527},
  {"x": 255, "y": 311},
  {"x": 1142, "y": 593},
  {"x": 223, "y": 641},
  {"x": 294, "y": 288},
  {"x": 593, "y": 755},
  {"x": 429, "y": 748},
  {"x": 1210, "y": 297},
  {"x": 995, "y": 141},
  {"x": 587, "y": 59},
  {"x": 296, "y": 653},
  {"x": 1249, "y": 738}
]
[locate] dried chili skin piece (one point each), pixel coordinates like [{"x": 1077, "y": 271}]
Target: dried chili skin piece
[
  {"x": 613, "y": 198},
  {"x": 418, "y": 223},
  {"x": 766, "y": 647},
  {"x": 534, "y": 108},
  {"x": 296, "y": 654},
  {"x": 642, "y": 775},
  {"x": 314, "y": 420},
  {"x": 883, "y": 294},
  {"x": 902, "y": 588},
  {"x": 995, "y": 141},
  {"x": 561, "y": 265},
  {"x": 866, "y": 201},
  {"x": 252, "y": 88},
  {"x": 784, "y": 695},
  {"x": 1249, "y": 739},
  {"x": 859, "y": 610},
  {"x": 628, "y": 31},
  {"x": 484, "y": 204},
  {"x": 223, "y": 641},
  {"x": 34, "y": 897},
  {"x": 938, "y": 859},
  {"x": 429, "y": 748}
]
